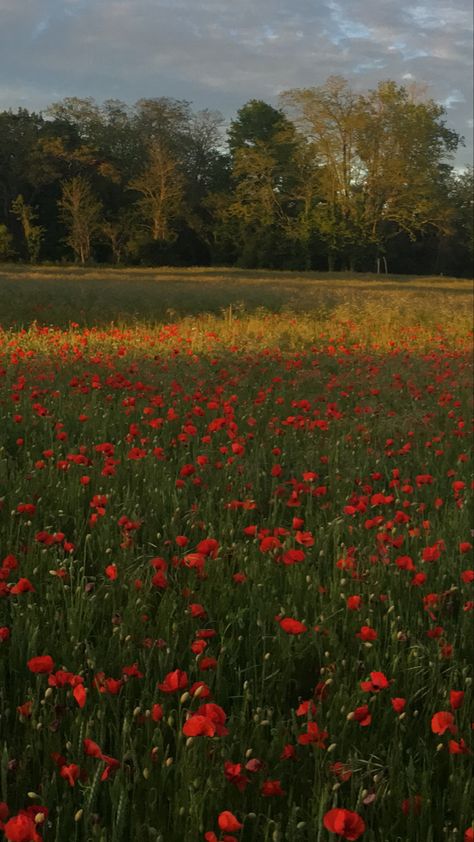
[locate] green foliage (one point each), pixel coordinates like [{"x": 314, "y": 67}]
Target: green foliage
[
  {"x": 330, "y": 179},
  {"x": 81, "y": 213},
  {"x": 6, "y": 240},
  {"x": 33, "y": 234}
]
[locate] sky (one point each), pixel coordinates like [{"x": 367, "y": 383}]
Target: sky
[{"x": 218, "y": 54}]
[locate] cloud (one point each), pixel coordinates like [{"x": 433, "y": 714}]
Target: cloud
[{"x": 219, "y": 53}]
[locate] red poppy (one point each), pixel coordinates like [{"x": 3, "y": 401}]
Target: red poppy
[
  {"x": 354, "y": 602},
  {"x": 313, "y": 735},
  {"x": 156, "y": 713},
  {"x": 443, "y": 721},
  {"x": 378, "y": 681},
  {"x": 216, "y": 715},
  {"x": 233, "y": 773},
  {"x": 344, "y": 823},
  {"x": 21, "y": 828},
  {"x": 199, "y": 726},
  {"x": 174, "y": 681},
  {"x": 291, "y": 626},
  {"x": 367, "y": 633},
  {"x": 80, "y": 694},
  {"x": 41, "y": 664},
  {"x": 456, "y": 699},
  {"x": 271, "y": 788},
  {"x": 398, "y": 704},
  {"x": 22, "y": 586},
  {"x": 362, "y": 715},
  {"x": 228, "y": 822},
  {"x": 70, "y": 773},
  {"x": 4, "y": 634}
]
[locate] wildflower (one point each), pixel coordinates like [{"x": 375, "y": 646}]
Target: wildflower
[
  {"x": 443, "y": 721},
  {"x": 41, "y": 664},
  {"x": 344, "y": 823},
  {"x": 228, "y": 822},
  {"x": 271, "y": 788},
  {"x": 21, "y": 828},
  {"x": 291, "y": 626},
  {"x": 366, "y": 633}
]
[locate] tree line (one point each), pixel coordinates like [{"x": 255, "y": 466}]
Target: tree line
[{"x": 332, "y": 179}]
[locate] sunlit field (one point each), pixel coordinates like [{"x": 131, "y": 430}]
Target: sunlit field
[{"x": 236, "y": 574}]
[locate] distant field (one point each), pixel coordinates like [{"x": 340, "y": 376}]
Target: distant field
[
  {"x": 236, "y": 561},
  {"x": 58, "y": 296}
]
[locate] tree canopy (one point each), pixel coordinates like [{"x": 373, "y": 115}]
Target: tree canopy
[{"x": 332, "y": 178}]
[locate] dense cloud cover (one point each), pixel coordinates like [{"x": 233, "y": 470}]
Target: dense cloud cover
[{"x": 219, "y": 54}]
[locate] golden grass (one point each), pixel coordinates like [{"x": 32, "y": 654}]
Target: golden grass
[{"x": 286, "y": 308}]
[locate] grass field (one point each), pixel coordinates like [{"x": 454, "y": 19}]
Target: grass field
[{"x": 236, "y": 574}]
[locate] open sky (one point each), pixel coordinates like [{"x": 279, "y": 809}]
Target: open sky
[{"x": 220, "y": 53}]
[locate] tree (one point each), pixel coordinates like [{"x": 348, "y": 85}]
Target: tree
[
  {"x": 33, "y": 234},
  {"x": 328, "y": 117},
  {"x": 402, "y": 144},
  {"x": 6, "y": 241},
  {"x": 382, "y": 159},
  {"x": 81, "y": 213},
  {"x": 117, "y": 232},
  {"x": 162, "y": 193},
  {"x": 262, "y": 143}
]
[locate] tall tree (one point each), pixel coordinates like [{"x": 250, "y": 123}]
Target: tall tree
[
  {"x": 383, "y": 159},
  {"x": 262, "y": 143},
  {"x": 162, "y": 193},
  {"x": 328, "y": 117},
  {"x": 33, "y": 234},
  {"x": 81, "y": 213},
  {"x": 403, "y": 146}
]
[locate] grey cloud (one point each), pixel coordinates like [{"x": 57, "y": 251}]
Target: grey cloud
[{"x": 219, "y": 53}]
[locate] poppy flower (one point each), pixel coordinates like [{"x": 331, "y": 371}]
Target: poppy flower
[
  {"x": 22, "y": 586},
  {"x": 378, "y": 681},
  {"x": 344, "y": 823},
  {"x": 354, "y": 602},
  {"x": 70, "y": 773},
  {"x": 291, "y": 626},
  {"x": 174, "y": 681},
  {"x": 313, "y": 735},
  {"x": 362, "y": 715},
  {"x": 199, "y": 726},
  {"x": 216, "y": 715},
  {"x": 21, "y": 828},
  {"x": 233, "y": 773},
  {"x": 443, "y": 721},
  {"x": 456, "y": 699},
  {"x": 80, "y": 694},
  {"x": 228, "y": 822},
  {"x": 366, "y": 633},
  {"x": 4, "y": 634},
  {"x": 156, "y": 713},
  {"x": 460, "y": 747},
  {"x": 41, "y": 664},
  {"x": 271, "y": 788},
  {"x": 398, "y": 704}
]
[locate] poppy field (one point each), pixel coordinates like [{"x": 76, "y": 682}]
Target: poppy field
[{"x": 236, "y": 558}]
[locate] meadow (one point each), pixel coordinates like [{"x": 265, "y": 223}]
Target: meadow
[{"x": 236, "y": 574}]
